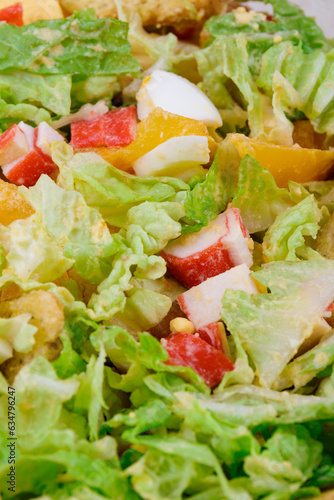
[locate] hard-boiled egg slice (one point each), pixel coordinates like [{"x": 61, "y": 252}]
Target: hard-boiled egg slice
[
  {"x": 177, "y": 95},
  {"x": 174, "y": 156}
]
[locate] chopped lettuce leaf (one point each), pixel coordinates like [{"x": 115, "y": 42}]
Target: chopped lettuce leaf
[
  {"x": 107, "y": 188},
  {"x": 288, "y": 460},
  {"x": 229, "y": 54},
  {"x": 16, "y": 333},
  {"x": 254, "y": 406},
  {"x": 210, "y": 197},
  {"x": 285, "y": 237},
  {"x": 93, "y": 88},
  {"x": 31, "y": 253},
  {"x": 272, "y": 326},
  {"x": 80, "y": 229},
  {"x": 75, "y": 45},
  {"x": 287, "y": 17},
  {"x": 51, "y": 92},
  {"x": 123, "y": 350},
  {"x": 258, "y": 198},
  {"x": 14, "y": 113},
  {"x": 305, "y": 367}
]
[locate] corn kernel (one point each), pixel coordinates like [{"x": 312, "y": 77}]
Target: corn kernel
[{"x": 181, "y": 325}]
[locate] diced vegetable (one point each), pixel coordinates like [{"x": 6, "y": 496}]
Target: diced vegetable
[
  {"x": 286, "y": 163},
  {"x": 219, "y": 246},
  {"x": 185, "y": 349},
  {"x": 12, "y": 14},
  {"x": 12, "y": 205},
  {"x": 202, "y": 303}
]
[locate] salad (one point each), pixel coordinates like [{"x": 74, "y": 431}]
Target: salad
[{"x": 166, "y": 252}]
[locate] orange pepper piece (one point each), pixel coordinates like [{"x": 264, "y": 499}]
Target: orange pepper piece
[
  {"x": 12, "y": 205},
  {"x": 286, "y": 163}
]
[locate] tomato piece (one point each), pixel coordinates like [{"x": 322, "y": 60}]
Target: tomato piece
[
  {"x": 12, "y": 14},
  {"x": 219, "y": 246},
  {"x": 185, "y": 349},
  {"x": 120, "y": 126}
]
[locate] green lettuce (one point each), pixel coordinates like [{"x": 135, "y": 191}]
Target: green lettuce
[
  {"x": 108, "y": 189},
  {"x": 305, "y": 367},
  {"x": 14, "y": 113},
  {"x": 16, "y": 333},
  {"x": 31, "y": 253},
  {"x": 51, "y": 92},
  {"x": 259, "y": 407},
  {"x": 123, "y": 350},
  {"x": 289, "y": 459},
  {"x": 285, "y": 237},
  {"x": 282, "y": 58},
  {"x": 258, "y": 198},
  {"x": 80, "y": 44},
  {"x": 80, "y": 229},
  {"x": 210, "y": 196},
  {"x": 272, "y": 326},
  {"x": 287, "y": 17},
  {"x": 229, "y": 54}
]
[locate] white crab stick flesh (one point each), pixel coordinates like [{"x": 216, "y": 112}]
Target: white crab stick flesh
[
  {"x": 202, "y": 304},
  {"x": 44, "y": 135},
  {"x": 174, "y": 156},
  {"x": 217, "y": 247},
  {"x": 177, "y": 95},
  {"x": 13, "y": 144},
  {"x": 27, "y": 169}
]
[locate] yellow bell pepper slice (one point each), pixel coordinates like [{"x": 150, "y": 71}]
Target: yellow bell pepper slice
[{"x": 286, "y": 163}]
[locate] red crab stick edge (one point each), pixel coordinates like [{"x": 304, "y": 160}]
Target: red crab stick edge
[
  {"x": 116, "y": 128},
  {"x": 30, "y": 153},
  {"x": 202, "y": 303},
  {"x": 219, "y": 246}
]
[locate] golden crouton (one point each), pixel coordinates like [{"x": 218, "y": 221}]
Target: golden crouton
[{"x": 47, "y": 314}]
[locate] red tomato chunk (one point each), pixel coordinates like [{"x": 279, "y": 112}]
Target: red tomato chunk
[{"x": 185, "y": 349}]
